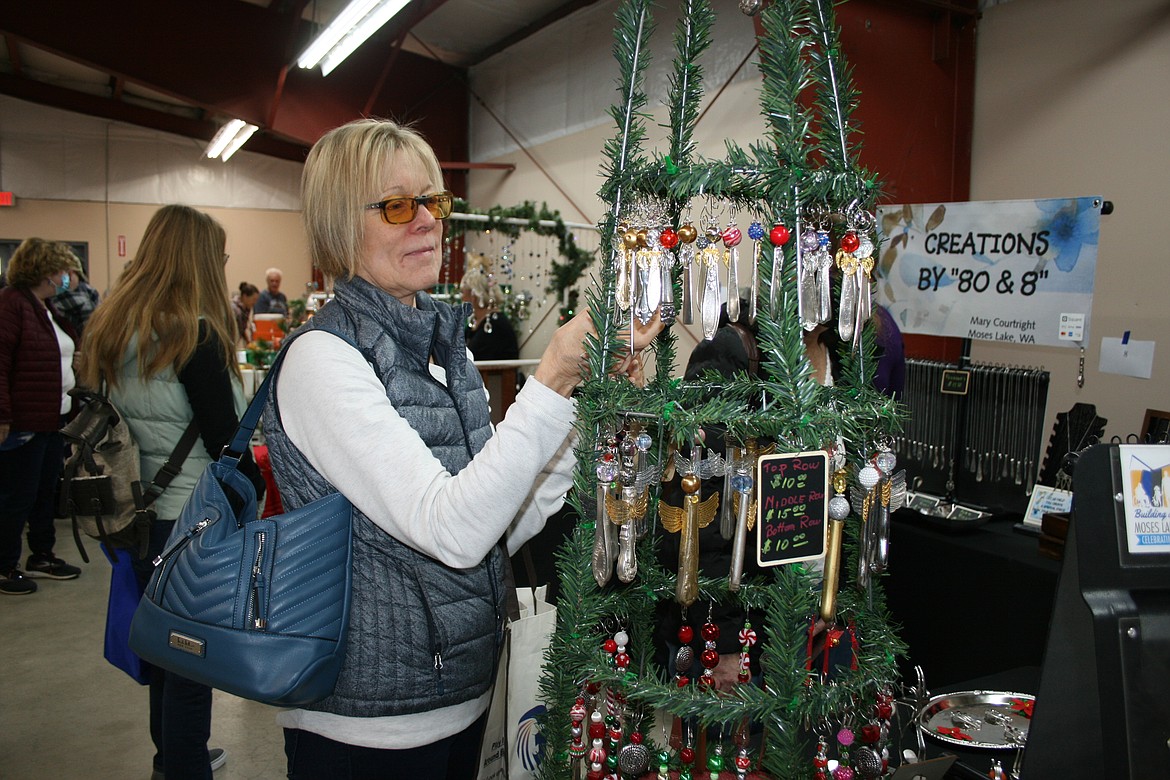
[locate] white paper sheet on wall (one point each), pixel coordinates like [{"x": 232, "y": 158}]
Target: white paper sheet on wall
[{"x": 1127, "y": 357}]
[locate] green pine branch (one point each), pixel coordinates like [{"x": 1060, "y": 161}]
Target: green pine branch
[{"x": 692, "y": 38}]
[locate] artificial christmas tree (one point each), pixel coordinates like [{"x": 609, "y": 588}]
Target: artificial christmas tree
[{"x": 672, "y": 238}]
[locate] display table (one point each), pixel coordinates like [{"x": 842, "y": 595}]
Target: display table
[{"x": 969, "y": 604}]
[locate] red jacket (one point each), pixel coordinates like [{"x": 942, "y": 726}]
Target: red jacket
[{"x": 30, "y": 363}]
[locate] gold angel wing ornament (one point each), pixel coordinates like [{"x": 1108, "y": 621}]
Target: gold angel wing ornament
[{"x": 686, "y": 521}]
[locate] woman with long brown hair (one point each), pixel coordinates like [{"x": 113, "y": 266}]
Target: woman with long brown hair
[{"x": 163, "y": 342}]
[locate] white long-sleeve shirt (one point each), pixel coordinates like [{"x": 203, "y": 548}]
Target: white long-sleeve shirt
[{"x": 335, "y": 410}]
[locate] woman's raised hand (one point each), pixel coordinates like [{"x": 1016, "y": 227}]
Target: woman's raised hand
[{"x": 564, "y": 362}]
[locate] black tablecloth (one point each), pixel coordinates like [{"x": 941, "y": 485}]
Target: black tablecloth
[{"x": 969, "y": 604}]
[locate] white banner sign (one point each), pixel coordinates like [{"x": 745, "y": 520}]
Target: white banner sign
[{"x": 1012, "y": 271}]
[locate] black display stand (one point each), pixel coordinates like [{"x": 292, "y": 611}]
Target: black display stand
[{"x": 1103, "y": 707}]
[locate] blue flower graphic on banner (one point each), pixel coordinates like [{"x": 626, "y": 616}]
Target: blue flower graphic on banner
[
  {"x": 529, "y": 740},
  {"x": 1072, "y": 224}
]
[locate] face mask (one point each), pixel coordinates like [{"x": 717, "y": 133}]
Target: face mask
[{"x": 63, "y": 287}]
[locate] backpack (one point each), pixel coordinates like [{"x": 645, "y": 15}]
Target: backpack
[{"x": 102, "y": 486}]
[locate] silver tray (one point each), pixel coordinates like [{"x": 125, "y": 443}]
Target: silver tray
[{"x": 989, "y": 719}]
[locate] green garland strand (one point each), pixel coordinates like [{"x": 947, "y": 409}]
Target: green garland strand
[{"x": 562, "y": 275}]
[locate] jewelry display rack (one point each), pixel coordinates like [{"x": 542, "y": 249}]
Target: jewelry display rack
[{"x": 973, "y": 436}]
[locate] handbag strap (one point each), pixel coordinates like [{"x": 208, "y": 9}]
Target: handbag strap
[{"x": 239, "y": 443}]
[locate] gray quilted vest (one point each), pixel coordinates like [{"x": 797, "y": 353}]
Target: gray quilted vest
[{"x": 421, "y": 635}]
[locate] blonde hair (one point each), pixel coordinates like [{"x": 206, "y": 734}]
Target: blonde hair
[
  {"x": 343, "y": 174},
  {"x": 175, "y": 280},
  {"x": 37, "y": 259},
  {"x": 477, "y": 279}
]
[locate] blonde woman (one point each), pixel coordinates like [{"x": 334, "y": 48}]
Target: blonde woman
[
  {"x": 402, "y": 429},
  {"x": 164, "y": 342},
  {"x": 490, "y": 335}
]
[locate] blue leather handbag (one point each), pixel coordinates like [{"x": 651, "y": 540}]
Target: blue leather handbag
[{"x": 255, "y": 607}]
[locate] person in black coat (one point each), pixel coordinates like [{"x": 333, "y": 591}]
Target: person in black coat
[{"x": 732, "y": 351}]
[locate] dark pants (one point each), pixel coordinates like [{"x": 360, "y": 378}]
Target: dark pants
[
  {"x": 28, "y": 490},
  {"x": 312, "y": 757},
  {"x": 180, "y": 710}
]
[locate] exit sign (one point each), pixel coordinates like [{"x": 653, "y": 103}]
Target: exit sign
[{"x": 7, "y": 199}]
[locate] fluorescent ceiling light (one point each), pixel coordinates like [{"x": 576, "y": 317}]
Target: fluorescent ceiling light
[
  {"x": 229, "y": 139},
  {"x": 241, "y": 138},
  {"x": 357, "y": 22}
]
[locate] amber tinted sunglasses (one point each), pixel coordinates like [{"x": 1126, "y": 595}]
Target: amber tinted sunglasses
[{"x": 400, "y": 210}]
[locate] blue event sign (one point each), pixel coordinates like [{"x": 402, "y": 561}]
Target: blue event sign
[{"x": 1010, "y": 271}]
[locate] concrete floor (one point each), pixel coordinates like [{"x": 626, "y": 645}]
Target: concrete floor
[{"x": 65, "y": 712}]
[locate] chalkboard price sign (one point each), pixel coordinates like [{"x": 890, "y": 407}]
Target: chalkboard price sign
[{"x": 792, "y": 507}]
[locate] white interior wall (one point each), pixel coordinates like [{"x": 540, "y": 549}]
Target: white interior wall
[
  {"x": 81, "y": 178},
  {"x": 1072, "y": 98}
]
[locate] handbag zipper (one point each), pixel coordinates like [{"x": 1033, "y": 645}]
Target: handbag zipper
[
  {"x": 259, "y": 586},
  {"x": 187, "y": 535},
  {"x": 161, "y": 560}
]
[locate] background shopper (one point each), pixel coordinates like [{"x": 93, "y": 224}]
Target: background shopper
[
  {"x": 164, "y": 341},
  {"x": 36, "y": 374}
]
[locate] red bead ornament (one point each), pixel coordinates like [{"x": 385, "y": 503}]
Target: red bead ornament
[
  {"x": 709, "y": 658},
  {"x": 778, "y": 235},
  {"x": 871, "y": 733},
  {"x": 687, "y": 755},
  {"x": 622, "y": 660},
  {"x": 686, "y": 634},
  {"x": 821, "y": 761},
  {"x": 610, "y": 646},
  {"x": 597, "y": 755},
  {"x": 850, "y": 242},
  {"x": 884, "y": 711},
  {"x": 636, "y": 738},
  {"x": 683, "y": 681},
  {"x": 742, "y": 762},
  {"x": 596, "y": 730},
  {"x": 732, "y": 236},
  {"x": 710, "y": 632},
  {"x": 668, "y": 238}
]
